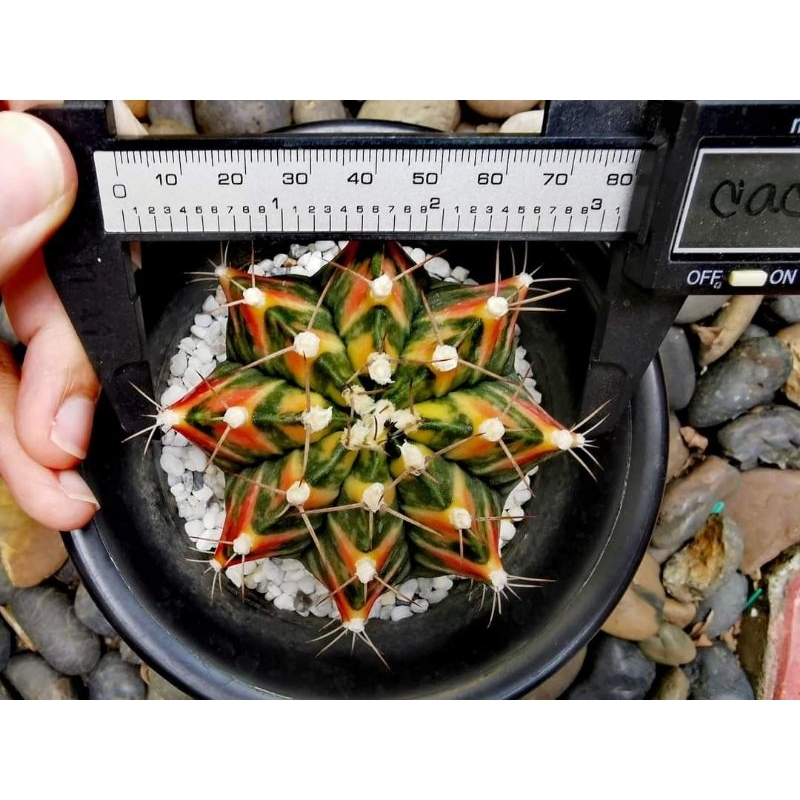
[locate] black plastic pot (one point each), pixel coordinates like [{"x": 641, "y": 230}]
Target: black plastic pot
[{"x": 587, "y": 536}]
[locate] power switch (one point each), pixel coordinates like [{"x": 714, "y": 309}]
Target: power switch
[{"x": 747, "y": 277}]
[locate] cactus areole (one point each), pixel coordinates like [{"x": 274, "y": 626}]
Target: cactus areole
[{"x": 370, "y": 423}]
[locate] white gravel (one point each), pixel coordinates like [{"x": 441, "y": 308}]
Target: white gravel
[{"x": 199, "y": 488}]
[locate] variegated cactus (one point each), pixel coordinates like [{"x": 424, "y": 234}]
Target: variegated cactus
[{"x": 370, "y": 423}]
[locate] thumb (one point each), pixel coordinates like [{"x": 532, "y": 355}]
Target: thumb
[{"x": 37, "y": 187}]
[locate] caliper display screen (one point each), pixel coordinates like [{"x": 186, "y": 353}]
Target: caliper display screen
[{"x": 742, "y": 200}]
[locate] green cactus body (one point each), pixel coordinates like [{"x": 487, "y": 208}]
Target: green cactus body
[{"x": 369, "y": 421}]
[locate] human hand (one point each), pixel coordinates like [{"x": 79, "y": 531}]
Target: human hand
[{"x": 46, "y": 410}]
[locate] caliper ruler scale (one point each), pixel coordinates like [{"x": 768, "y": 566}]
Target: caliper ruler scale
[{"x": 627, "y": 185}]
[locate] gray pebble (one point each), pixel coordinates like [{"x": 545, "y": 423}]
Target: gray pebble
[
  {"x": 689, "y": 500},
  {"x": 717, "y": 675},
  {"x": 753, "y": 331},
  {"x": 727, "y": 603},
  {"x": 318, "y": 110},
  {"x": 90, "y": 615},
  {"x": 787, "y": 307},
  {"x": 7, "y": 589},
  {"x": 114, "y": 679},
  {"x": 747, "y": 376},
  {"x": 34, "y": 679},
  {"x": 620, "y": 672},
  {"x": 769, "y": 435},
  {"x": 68, "y": 575},
  {"x": 4, "y": 695},
  {"x": 48, "y": 618},
  {"x": 180, "y": 110},
  {"x": 699, "y": 306},
  {"x": 128, "y": 655},
  {"x": 6, "y": 643},
  {"x": 670, "y": 646},
  {"x": 159, "y": 688},
  {"x": 231, "y": 117},
  {"x": 678, "y": 365}
]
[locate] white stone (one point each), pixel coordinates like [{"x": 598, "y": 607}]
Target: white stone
[
  {"x": 203, "y": 352},
  {"x": 297, "y": 250},
  {"x": 408, "y": 588},
  {"x": 400, "y": 612},
  {"x": 515, "y": 513},
  {"x": 307, "y": 585},
  {"x": 507, "y": 530},
  {"x": 171, "y": 395},
  {"x": 437, "y": 267},
  {"x": 459, "y": 274},
  {"x": 177, "y": 364},
  {"x": 420, "y": 605},
  {"x": 442, "y": 583},
  {"x": 202, "y": 320},
  {"x": 171, "y": 464},
  {"x": 323, "y": 244},
  {"x": 187, "y": 344},
  {"x": 195, "y": 459},
  {"x": 191, "y": 378},
  {"x": 210, "y": 304},
  {"x": 524, "y": 122},
  {"x": 285, "y": 602},
  {"x": 194, "y": 528}
]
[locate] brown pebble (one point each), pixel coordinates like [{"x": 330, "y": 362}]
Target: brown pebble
[
  {"x": 791, "y": 337},
  {"x": 443, "y": 115},
  {"x": 29, "y": 551},
  {"x": 679, "y": 614},
  {"x": 169, "y": 127},
  {"x": 670, "y": 646},
  {"x": 678, "y": 451},
  {"x": 637, "y": 616},
  {"x": 138, "y": 107},
  {"x": 767, "y": 508},
  {"x": 674, "y": 685},
  {"x": 559, "y": 681}
]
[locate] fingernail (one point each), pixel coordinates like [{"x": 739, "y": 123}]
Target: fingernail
[
  {"x": 72, "y": 426},
  {"x": 31, "y": 171},
  {"x": 76, "y": 488}
]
